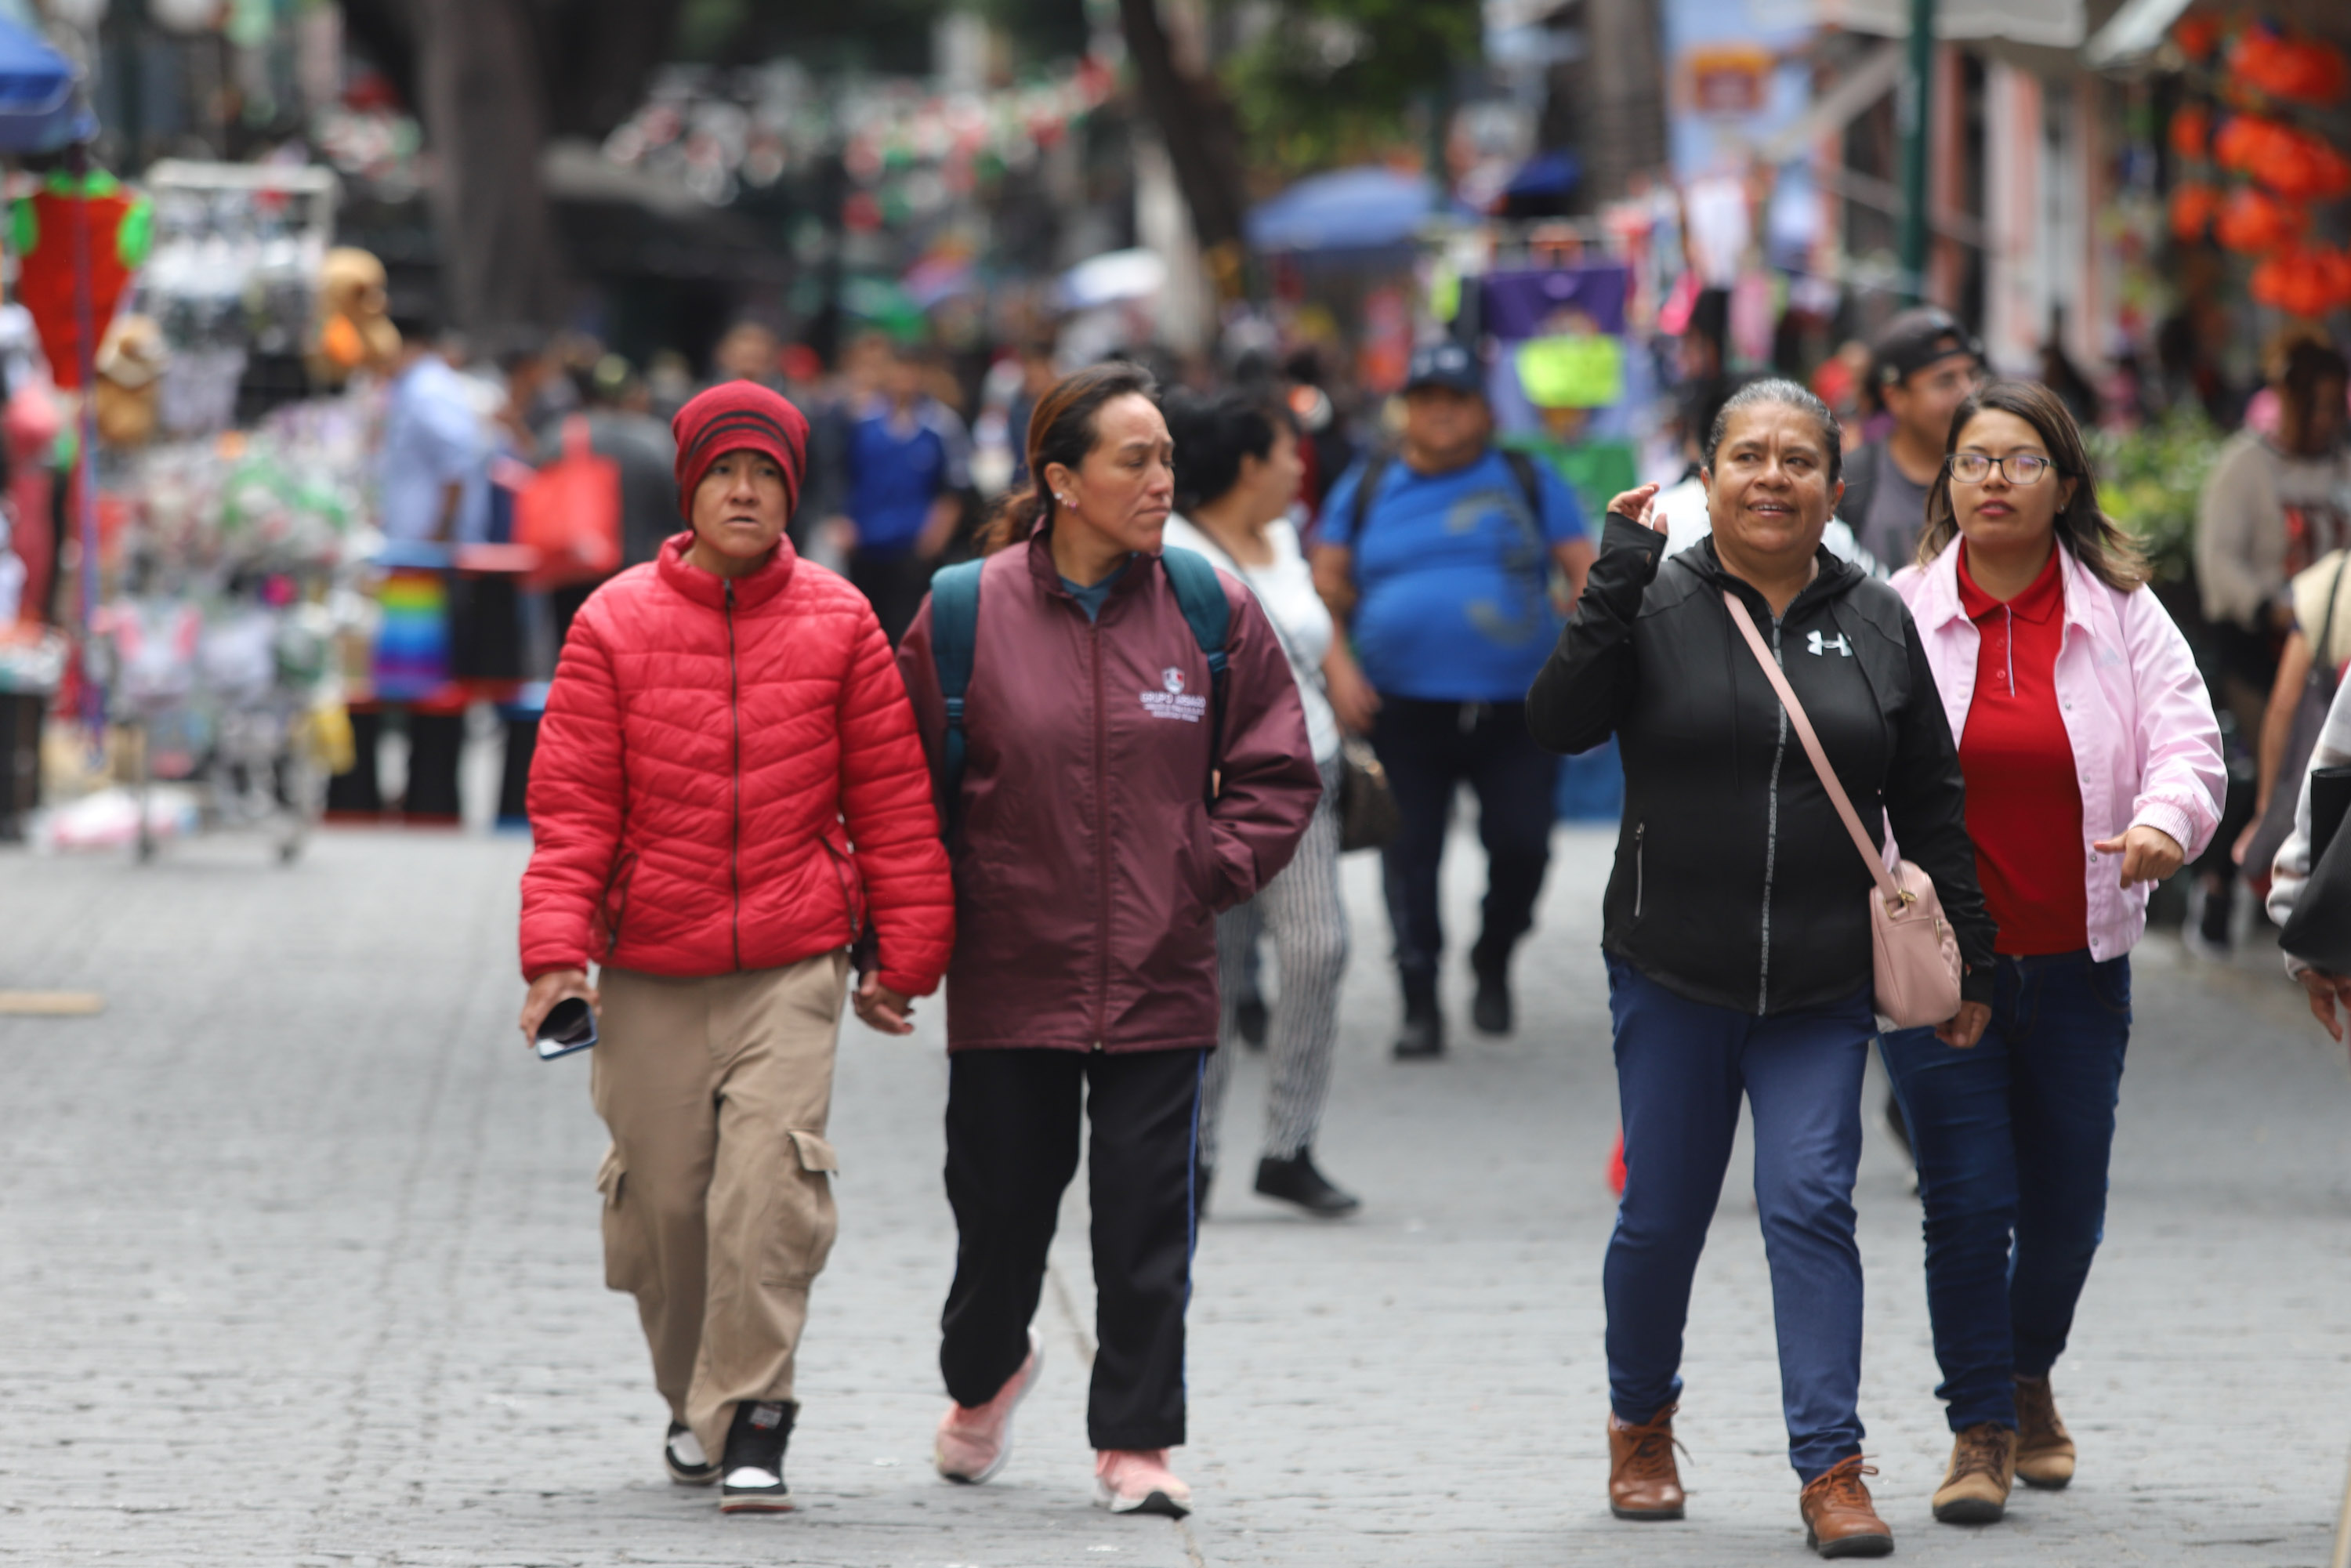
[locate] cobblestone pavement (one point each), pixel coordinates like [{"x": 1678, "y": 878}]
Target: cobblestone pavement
[{"x": 299, "y": 1265}]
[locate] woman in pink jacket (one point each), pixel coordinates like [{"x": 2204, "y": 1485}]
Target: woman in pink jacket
[
  {"x": 1117, "y": 793},
  {"x": 2092, "y": 767}
]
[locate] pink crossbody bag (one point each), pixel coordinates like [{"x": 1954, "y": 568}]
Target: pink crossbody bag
[{"x": 1914, "y": 953}]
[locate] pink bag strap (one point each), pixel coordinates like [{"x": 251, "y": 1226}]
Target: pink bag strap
[{"x": 1886, "y": 887}]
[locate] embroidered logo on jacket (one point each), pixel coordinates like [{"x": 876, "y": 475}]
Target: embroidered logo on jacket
[
  {"x": 1820, "y": 644},
  {"x": 1172, "y": 703}
]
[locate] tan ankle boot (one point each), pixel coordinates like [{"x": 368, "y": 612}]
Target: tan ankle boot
[
  {"x": 1840, "y": 1520},
  {"x": 1642, "y": 1480},
  {"x": 2044, "y": 1450},
  {"x": 1983, "y": 1468}
]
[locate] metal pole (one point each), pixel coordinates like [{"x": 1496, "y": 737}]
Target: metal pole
[
  {"x": 1913, "y": 108},
  {"x": 84, "y": 445}
]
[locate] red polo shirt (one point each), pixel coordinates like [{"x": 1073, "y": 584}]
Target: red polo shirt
[{"x": 2024, "y": 800}]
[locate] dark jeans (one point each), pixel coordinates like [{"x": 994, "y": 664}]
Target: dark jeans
[
  {"x": 1429, "y": 748},
  {"x": 894, "y": 582},
  {"x": 1012, "y": 1146},
  {"x": 2013, "y": 1138},
  {"x": 1681, "y": 1068}
]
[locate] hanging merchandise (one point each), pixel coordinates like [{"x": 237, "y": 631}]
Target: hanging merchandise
[
  {"x": 42, "y": 235},
  {"x": 239, "y": 254}
]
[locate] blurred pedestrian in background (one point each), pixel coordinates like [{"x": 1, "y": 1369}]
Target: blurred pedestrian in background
[
  {"x": 906, "y": 461},
  {"x": 2327, "y": 992},
  {"x": 2093, "y": 770},
  {"x": 728, "y": 790},
  {"x": 1736, "y": 923},
  {"x": 620, "y": 426},
  {"x": 2273, "y": 505},
  {"x": 1108, "y": 793},
  {"x": 1921, "y": 367},
  {"x": 1236, "y": 476},
  {"x": 1438, "y": 562},
  {"x": 433, "y": 467}
]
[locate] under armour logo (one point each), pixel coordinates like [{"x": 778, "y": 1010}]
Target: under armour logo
[{"x": 1821, "y": 645}]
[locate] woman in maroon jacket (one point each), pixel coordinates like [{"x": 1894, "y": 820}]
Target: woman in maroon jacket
[{"x": 1103, "y": 820}]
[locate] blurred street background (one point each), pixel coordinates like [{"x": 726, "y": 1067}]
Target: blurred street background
[{"x": 338, "y": 341}]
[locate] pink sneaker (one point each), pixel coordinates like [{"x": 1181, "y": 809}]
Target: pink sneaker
[
  {"x": 1128, "y": 1480},
  {"x": 975, "y": 1441}
]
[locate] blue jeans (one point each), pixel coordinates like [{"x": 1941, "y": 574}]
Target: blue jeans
[
  {"x": 2012, "y": 1139},
  {"x": 1681, "y": 1067}
]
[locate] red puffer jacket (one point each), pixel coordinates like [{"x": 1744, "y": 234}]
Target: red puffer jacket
[{"x": 705, "y": 741}]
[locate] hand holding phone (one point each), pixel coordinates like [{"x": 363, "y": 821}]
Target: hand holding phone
[{"x": 560, "y": 1011}]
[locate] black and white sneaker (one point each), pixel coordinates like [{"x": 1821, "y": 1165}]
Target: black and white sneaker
[
  {"x": 755, "y": 1459},
  {"x": 682, "y": 1453}
]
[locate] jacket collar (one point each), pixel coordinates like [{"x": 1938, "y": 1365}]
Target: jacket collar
[
  {"x": 1938, "y": 604},
  {"x": 710, "y": 591},
  {"x": 1048, "y": 575},
  {"x": 1832, "y": 575}
]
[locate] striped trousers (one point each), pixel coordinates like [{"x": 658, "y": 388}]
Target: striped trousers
[{"x": 1301, "y": 910}]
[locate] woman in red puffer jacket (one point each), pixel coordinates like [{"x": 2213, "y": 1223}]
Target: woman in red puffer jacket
[{"x": 727, "y": 791}]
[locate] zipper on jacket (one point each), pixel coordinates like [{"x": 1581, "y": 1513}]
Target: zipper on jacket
[
  {"x": 849, "y": 902},
  {"x": 734, "y": 717},
  {"x": 1102, "y": 835},
  {"x": 1640, "y": 880},
  {"x": 1771, "y": 836}
]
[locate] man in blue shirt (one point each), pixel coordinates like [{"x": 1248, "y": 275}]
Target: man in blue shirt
[
  {"x": 907, "y": 462},
  {"x": 433, "y": 476},
  {"x": 1440, "y": 561}
]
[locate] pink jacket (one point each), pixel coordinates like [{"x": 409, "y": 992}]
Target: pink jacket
[{"x": 2145, "y": 741}]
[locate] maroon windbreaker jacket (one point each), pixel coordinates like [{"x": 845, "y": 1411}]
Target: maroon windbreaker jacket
[{"x": 1088, "y": 864}]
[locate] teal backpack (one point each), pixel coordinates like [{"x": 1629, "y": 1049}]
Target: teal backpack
[{"x": 955, "y": 629}]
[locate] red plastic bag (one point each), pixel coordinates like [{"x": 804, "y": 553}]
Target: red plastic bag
[{"x": 570, "y": 514}]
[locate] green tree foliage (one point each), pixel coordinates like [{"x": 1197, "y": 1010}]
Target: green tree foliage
[{"x": 1330, "y": 82}]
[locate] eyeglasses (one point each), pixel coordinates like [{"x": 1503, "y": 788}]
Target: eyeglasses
[{"x": 2017, "y": 467}]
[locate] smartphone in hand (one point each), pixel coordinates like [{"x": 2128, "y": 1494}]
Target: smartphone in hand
[{"x": 570, "y": 1025}]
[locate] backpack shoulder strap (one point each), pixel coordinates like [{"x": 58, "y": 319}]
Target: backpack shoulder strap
[
  {"x": 1376, "y": 468},
  {"x": 1522, "y": 469},
  {"x": 1209, "y": 614},
  {"x": 954, "y": 631}
]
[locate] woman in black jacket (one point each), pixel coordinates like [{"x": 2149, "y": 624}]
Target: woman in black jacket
[{"x": 1737, "y": 924}]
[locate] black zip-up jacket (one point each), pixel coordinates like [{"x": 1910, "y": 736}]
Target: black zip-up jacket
[{"x": 1736, "y": 884}]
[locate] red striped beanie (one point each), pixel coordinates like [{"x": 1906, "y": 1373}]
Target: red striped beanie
[{"x": 738, "y": 416}]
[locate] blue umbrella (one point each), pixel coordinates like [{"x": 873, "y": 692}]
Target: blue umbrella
[
  {"x": 40, "y": 108},
  {"x": 1369, "y": 208}
]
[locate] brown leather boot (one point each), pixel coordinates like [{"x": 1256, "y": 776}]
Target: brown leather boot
[
  {"x": 1642, "y": 1480},
  {"x": 1839, "y": 1519},
  {"x": 1983, "y": 1468},
  {"x": 2044, "y": 1449}
]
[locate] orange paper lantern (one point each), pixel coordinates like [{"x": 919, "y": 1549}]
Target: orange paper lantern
[
  {"x": 2302, "y": 70},
  {"x": 2193, "y": 208},
  {"x": 2303, "y": 168},
  {"x": 2304, "y": 281},
  {"x": 2254, "y": 222},
  {"x": 2247, "y": 142},
  {"x": 2196, "y": 36},
  {"x": 2191, "y": 128}
]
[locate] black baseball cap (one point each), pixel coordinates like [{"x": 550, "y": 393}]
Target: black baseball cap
[
  {"x": 1445, "y": 364},
  {"x": 1917, "y": 339}
]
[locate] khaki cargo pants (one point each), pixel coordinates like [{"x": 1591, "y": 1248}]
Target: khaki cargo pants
[{"x": 717, "y": 1190}]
